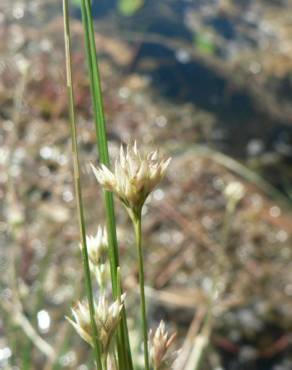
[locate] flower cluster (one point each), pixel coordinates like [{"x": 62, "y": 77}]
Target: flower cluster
[
  {"x": 97, "y": 246},
  {"x": 160, "y": 342},
  {"x": 134, "y": 177},
  {"x": 82, "y": 323},
  {"x": 106, "y": 317}
]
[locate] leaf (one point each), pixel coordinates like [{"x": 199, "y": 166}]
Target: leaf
[{"x": 129, "y": 7}]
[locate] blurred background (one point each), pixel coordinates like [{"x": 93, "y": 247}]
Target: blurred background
[{"x": 208, "y": 82}]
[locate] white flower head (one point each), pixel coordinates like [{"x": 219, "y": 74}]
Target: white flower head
[
  {"x": 107, "y": 317},
  {"x": 160, "y": 341},
  {"x": 134, "y": 177},
  {"x": 82, "y": 323},
  {"x": 97, "y": 246},
  {"x": 234, "y": 191}
]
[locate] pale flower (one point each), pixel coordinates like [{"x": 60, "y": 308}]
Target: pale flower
[
  {"x": 160, "y": 342},
  {"x": 82, "y": 323},
  {"x": 97, "y": 246},
  {"x": 134, "y": 177},
  {"x": 107, "y": 317}
]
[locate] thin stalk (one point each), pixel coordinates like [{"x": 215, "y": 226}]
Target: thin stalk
[
  {"x": 99, "y": 121},
  {"x": 104, "y": 362},
  {"x": 77, "y": 183},
  {"x": 124, "y": 351},
  {"x": 138, "y": 235}
]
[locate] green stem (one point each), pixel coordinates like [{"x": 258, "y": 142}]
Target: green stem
[
  {"x": 104, "y": 362},
  {"x": 138, "y": 235},
  {"x": 99, "y": 121},
  {"x": 77, "y": 182},
  {"x": 124, "y": 351}
]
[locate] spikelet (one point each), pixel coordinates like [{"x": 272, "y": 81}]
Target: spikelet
[
  {"x": 160, "y": 341},
  {"x": 97, "y": 246},
  {"x": 134, "y": 176},
  {"x": 107, "y": 317},
  {"x": 82, "y": 323}
]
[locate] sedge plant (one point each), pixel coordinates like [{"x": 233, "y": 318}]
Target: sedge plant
[
  {"x": 134, "y": 177},
  {"x": 124, "y": 351},
  {"x": 78, "y": 191},
  {"x": 100, "y": 323}
]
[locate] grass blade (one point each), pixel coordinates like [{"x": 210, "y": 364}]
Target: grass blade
[
  {"x": 77, "y": 183},
  {"x": 124, "y": 352}
]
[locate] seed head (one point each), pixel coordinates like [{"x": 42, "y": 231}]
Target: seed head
[
  {"x": 106, "y": 318},
  {"x": 82, "y": 323},
  {"x": 160, "y": 342},
  {"x": 134, "y": 177},
  {"x": 97, "y": 246}
]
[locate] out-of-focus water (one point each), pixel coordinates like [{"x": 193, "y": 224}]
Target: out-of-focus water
[{"x": 212, "y": 54}]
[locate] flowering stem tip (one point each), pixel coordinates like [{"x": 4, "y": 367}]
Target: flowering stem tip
[
  {"x": 134, "y": 177},
  {"x": 160, "y": 341},
  {"x": 107, "y": 317}
]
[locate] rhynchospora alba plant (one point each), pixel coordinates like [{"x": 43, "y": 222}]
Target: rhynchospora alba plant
[{"x": 134, "y": 177}]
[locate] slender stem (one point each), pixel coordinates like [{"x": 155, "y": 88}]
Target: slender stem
[
  {"x": 138, "y": 235},
  {"x": 124, "y": 351},
  {"x": 77, "y": 183},
  {"x": 104, "y": 362},
  {"x": 99, "y": 121}
]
